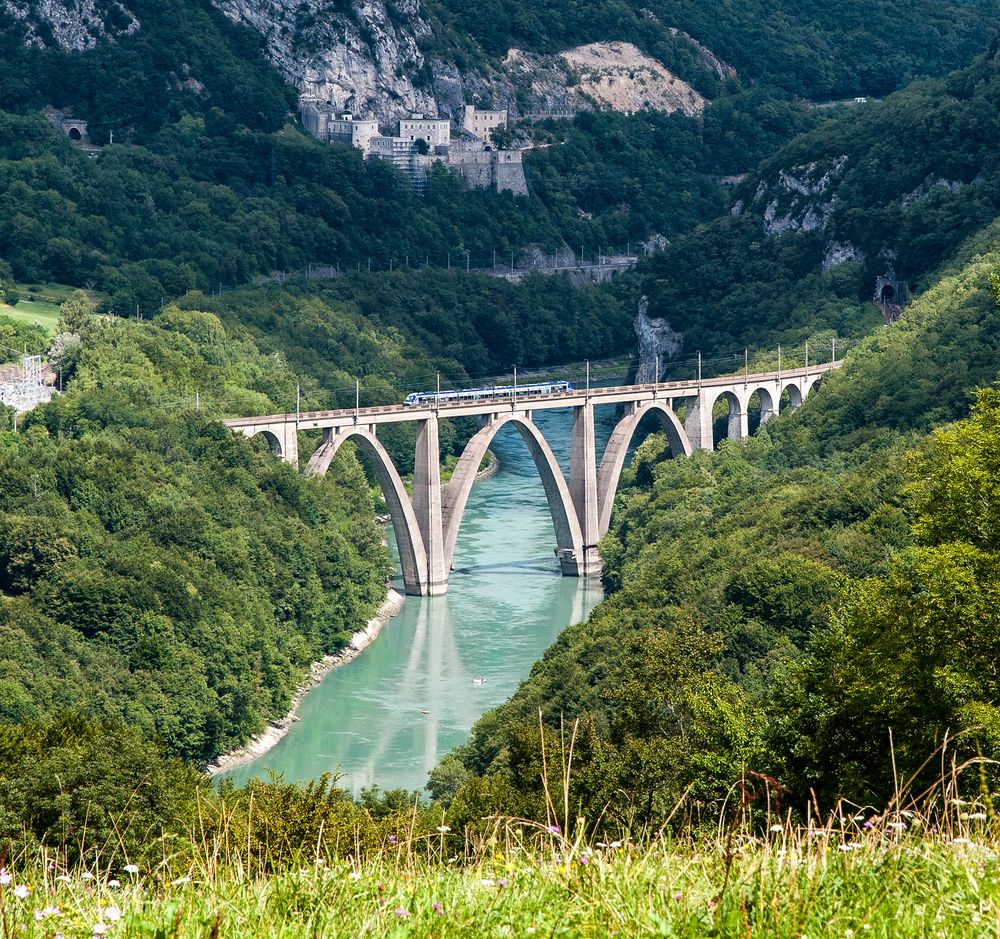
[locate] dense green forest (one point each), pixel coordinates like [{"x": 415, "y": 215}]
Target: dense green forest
[
  {"x": 907, "y": 181},
  {"x": 158, "y": 570}
]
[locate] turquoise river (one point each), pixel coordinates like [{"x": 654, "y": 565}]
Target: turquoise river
[{"x": 387, "y": 717}]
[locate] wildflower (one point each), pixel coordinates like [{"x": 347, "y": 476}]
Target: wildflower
[
  {"x": 63, "y": 878},
  {"x": 112, "y": 914},
  {"x": 584, "y": 860},
  {"x": 486, "y": 882},
  {"x": 616, "y": 844},
  {"x": 869, "y": 824},
  {"x": 501, "y": 883},
  {"x": 554, "y": 830},
  {"x": 777, "y": 829},
  {"x": 960, "y": 841},
  {"x": 602, "y": 844},
  {"x": 899, "y": 826},
  {"x": 978, "y": 817},
  {"x": 46, "y": 912},
  {"x": 400, "y": 912},
  {"x": 21, "y": 891},
  {"x": 114, "y": 883},
  {"x": 678, "y": 895},
  {"x": 392, "y": 839},
  {"x": 131, "y": 869},
  {"x": 86, "y": 875},
  {"x": 438, "y": 908},
  {"x": 5, "y": 878},
  {"x": 181, "y": 880},
  {"x": 100, "y": 928},
  {"x": 443, "y": 828}
]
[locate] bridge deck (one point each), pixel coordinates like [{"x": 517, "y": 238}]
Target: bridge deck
[{"x": 621, "y": 394}]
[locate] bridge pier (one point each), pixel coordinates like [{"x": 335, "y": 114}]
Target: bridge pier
[
  {"x": 583, "y": 491},
  {"x": 427, "y": 505},
  {"x": 698, "y": 423}
]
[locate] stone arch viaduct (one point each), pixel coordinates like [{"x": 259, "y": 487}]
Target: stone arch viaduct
[{"x": 427, "y": 524}]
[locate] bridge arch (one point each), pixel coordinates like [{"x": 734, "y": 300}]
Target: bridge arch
[
  {"x": 273, "y": 442},
  {"x": 765, "y": 395},
  {"x": 409, "y": 541},
  {"x": 736, "y": 415},
  {"x": 569, "y": 536},
  {"x": 613, "y": 462},
  {"x": 795, "y": 395}
]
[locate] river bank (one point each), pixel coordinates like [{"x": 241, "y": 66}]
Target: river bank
[
  {"x": 491, "y": 469},
  {"x": 276, "y": 729}
]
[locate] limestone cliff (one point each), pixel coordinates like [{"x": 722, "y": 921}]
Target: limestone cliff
[
  {"x": 657, "y": 342},
  {"x": 76, "y": 25},
  {"x": 361, "y": 55}
]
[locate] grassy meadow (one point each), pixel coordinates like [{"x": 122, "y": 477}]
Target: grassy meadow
[
  {"x": 39, "y": 304},
  {"x": 860, "y": 875}
]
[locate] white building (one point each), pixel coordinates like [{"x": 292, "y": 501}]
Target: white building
[
  {"x": 356, "y": 133},
  {"x": 435, "y": 130},
  {"x": 482, "y": 123}
]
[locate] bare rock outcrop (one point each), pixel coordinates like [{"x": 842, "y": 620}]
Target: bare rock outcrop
[
  {"x": 74, "y": 26},
  {"x": 658, "y": 342}
]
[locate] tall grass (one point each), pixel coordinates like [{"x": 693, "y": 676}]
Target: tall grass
[{"x": 924, "y": 865}]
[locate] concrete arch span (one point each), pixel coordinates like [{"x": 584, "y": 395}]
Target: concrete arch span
[
  {"x": 613, "y": 462},
  {"x": 273, "y": 443},
  {"x": 409, "y": 541},
  {"x": 569, "y": 538}
]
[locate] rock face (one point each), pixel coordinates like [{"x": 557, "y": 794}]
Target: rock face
[
  {"x": 358, "y": 55},
  {"x": 364, "y": 56},
  {"x": 74, "y": 25},
  {"x": 619, "y": 77},
  {"x": 656, "y": 340},
  {"x": 801, "y": 199}
]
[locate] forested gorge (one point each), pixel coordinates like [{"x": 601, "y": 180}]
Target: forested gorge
[
  {"x": 783, "y": 605},
  {"x": 773, "y": 608}
]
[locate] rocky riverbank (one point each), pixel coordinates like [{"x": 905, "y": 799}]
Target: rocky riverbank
[{"x": 276, "y": 729}]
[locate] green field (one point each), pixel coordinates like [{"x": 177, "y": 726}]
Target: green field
[
  {"x": 872, "y": 882},
  {"x": 39, "y": 304}
]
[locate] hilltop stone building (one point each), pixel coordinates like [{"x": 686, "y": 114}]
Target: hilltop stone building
[
  {"x": 421, "y": 141},
  {"x": 482, "y": 123}
]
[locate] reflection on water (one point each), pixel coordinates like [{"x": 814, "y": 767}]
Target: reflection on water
[{"x": 389, "y": 716}]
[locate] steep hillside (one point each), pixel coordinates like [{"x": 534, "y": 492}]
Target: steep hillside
[
  {"x": 898, "y": 183},
  {"x": 381, "y": 56},
  {"x": 778, "y": 606}
]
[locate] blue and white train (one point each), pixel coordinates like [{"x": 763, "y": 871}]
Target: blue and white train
[{"x": 488, "y": 393}]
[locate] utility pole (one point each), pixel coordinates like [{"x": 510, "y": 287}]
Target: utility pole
[
  {"x": 699, "y": 369},
  {"x": 514, "y": 404},
  {"x": 833, "y": 350},
  {"x": 357, "y": 398},
  {"x": 779, "y": 363},
  {"x": 512, "y": 262},
  {"x": 449, "y": 260},
  {"x": 494, "y": 260},
  {"x": 588, "y": 379},
  {"x": 437, "y": 399},
  {"x": 466, "y": 260},
  {"x": 197, "y": 400}
]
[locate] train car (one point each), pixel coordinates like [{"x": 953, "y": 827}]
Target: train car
[{"x": 488, "y": 393}]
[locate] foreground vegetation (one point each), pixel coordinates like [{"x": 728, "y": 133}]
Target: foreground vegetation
[{"x": 874, "y": 879}]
